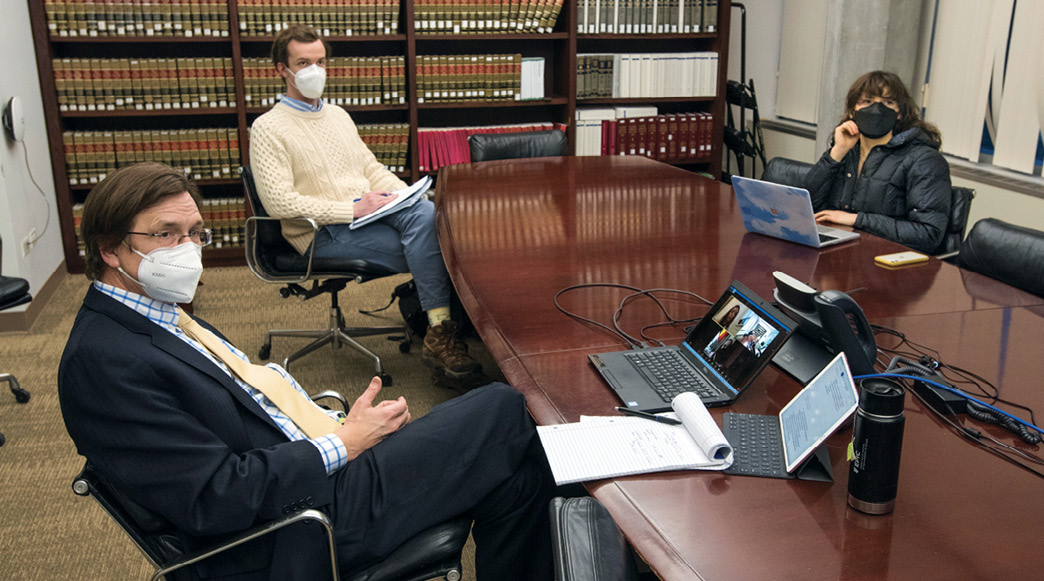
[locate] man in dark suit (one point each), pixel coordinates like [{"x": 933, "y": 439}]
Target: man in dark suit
[{"x": 167, "y": 423}]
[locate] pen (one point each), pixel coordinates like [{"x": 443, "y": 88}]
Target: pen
[
  {"x": 653, "y": 417},
  {"x": 386, "y": 194}
]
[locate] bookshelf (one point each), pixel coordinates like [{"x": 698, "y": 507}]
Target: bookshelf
[{"x": 418, "y": 30}]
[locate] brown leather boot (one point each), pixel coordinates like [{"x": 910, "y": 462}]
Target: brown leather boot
[{"x": 445, "y": 351}]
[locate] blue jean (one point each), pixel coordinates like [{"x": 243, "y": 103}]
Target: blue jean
[{"x": 405, "y": 241}]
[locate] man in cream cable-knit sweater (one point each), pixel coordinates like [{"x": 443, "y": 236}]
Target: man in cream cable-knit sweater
[{"x": 309, "y": 162}]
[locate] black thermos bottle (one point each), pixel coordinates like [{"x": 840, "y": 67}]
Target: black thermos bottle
[{"x": 877, "y": 443}]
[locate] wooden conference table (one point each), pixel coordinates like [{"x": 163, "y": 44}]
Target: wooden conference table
[{"x": 516, "y": 232}]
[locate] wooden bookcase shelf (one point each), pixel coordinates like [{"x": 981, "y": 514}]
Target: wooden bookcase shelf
[
  {"x": 179, "y": 112},
  {"x": 559, "y": 47}
]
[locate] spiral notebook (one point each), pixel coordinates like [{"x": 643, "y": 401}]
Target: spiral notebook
[{"x": 608, "y": 447}]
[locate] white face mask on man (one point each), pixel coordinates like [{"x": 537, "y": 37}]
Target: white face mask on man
[
  {"x": 170, "y": 274},
  {"x": 310, "y": 80}
]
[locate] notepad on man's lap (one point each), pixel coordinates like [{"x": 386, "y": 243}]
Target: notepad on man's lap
[
  {"x": 607, "y": 447},
  {"x": 404, "y": 198}
]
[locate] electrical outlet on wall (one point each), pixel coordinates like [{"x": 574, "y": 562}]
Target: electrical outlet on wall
[{"x": 28, "y": 242}]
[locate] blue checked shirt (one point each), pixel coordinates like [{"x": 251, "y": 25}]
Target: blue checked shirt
[
  {"x": 335, "y": 455},
  {"x": 301, "y": 105}
]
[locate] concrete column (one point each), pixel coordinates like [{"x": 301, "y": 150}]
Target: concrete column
[{"x": 862, "y": 36}]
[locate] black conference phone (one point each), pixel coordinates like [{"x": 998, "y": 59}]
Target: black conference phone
[{"x": 828, "y": 322}]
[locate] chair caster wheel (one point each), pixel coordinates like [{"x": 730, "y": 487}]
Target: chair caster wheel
[
  {"x": 265, "y": 351},
  {"x": 2, "y": 439},
  {"x": 386, "y": 380},
  {"x": 21, "y": 395},
  {"x": 404, "y": 347}
]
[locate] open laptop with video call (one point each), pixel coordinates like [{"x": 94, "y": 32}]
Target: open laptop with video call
[
  {"x": 718, "y": 359},
  {"x": 783, "y": 212}
]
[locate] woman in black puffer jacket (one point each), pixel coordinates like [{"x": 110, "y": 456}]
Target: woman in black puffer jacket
[{"x": 884, "y": 173}]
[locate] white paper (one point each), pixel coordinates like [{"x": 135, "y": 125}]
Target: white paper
[
  {"x": 405, "y": 198},
  {"x": 607, "y": 447}
]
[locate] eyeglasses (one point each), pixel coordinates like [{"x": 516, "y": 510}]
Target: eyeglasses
[{"x": 201, "y": 237}]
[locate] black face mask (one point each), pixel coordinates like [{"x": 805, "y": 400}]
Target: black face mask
[{"x": 876, "y": 120}]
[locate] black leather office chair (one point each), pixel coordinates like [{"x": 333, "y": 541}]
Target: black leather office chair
[
  {"x": 14, "y": 291},
  {"x": 587, "y": 544},
  {"x": 1009, "y": 253},
  {"x": 434, "y": 553},
  {"x": 790, "y": 172},
  {"x": 490, "y": 146},
  {"x": 272, "y": 259},
  {"x": 960, "y": 208}
]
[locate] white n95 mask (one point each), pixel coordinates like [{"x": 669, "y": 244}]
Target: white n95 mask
[
  {"x": 170, "y": 274},
  {"x": 310, "y": 81}
]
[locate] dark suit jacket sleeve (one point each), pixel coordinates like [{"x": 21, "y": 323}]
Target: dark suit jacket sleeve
[{"x": 174, "y": 437}]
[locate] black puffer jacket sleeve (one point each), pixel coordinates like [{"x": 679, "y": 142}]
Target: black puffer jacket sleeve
[
  {"x": 825, "y": 182},
  {"x": 928, "y": 200}
]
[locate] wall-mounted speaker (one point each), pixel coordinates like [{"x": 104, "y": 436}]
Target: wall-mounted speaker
[{"x": 14, "y": 119}]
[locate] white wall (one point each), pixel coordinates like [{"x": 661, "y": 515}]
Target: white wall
[
  {"x": 764, "y": 30},
  {"x": 22, "y": 208}
]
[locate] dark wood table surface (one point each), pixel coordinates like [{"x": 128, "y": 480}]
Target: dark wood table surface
[{"x": 514, "y": 233}]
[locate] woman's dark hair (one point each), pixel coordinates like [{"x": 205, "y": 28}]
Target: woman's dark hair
[
  {"x": 885, "y": 84},
  {"x": 730, "y": 316},
  {"x": 113, "y": 204}
]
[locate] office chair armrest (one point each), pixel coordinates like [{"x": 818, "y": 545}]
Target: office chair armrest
[
  {"x": 259, "y": 531},
  {"x": 334, "y": 395},
  {"x": 252, "y": 249}
]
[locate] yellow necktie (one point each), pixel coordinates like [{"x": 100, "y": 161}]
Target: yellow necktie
[{"x": 312, "y": 421}]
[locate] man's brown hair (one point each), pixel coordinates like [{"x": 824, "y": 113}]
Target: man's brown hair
[
  {"x": 113, "y": 204},
  {"x": 298, "y": 32}
]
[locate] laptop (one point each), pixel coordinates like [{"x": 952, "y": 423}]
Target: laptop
[
  {"x": 718, "y": 359},
  {"x": 788, "y": 445},
  {"x": 783, "y": 212}
]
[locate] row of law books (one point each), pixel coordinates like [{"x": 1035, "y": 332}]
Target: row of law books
[
  {"x": 105, "y": 18},
  {"x": 647, "y": 75},
  {"x": 352, "y": 81},
  {"x": 203, "y": 153},
  {"x": 485, "y": 16},
  {"x": 227, "y": 218},
  {"x": 668, "y": 137},
  {"x": 646, "y": 16},
  {"x": 479, "y": 77},
  {"x": 143, "y": 84},
  {"x": 448, "y": 146},
  {"x": 331, "y": 18},
  {"x": 389, "y": 143}
]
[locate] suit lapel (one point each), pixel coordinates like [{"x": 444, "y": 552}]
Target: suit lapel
[{"x": 167, "y": 342}]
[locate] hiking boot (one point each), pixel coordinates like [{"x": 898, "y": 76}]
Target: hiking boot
[{"x": 445, "y": 351}]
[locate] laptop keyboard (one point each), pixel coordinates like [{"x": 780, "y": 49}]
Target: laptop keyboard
[
  {"x": 826, "y": 238},
  {"x": 669, "y": 375},
  {"x": 757, "y": 445}
]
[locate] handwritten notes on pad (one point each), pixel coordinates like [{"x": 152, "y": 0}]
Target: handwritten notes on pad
[
  {"x": 404, "y": 198},
  {"x": 607, "y": 447}
]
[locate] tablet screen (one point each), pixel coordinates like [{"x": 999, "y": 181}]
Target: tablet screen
[{"x": 817, "y": 410}]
